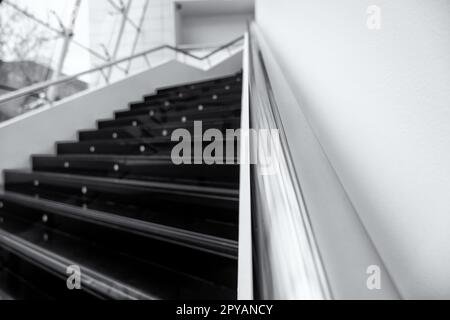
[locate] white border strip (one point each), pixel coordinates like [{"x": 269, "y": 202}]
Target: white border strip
[{"x": 245, "y": 262}]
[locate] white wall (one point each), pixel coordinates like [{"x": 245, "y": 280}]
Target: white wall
[
  {"x": 212, "y": 29},
  {"x": 36, "y": 132},
  {"x": 345, "y": 248},
  {"x": 379, "y": 104}
]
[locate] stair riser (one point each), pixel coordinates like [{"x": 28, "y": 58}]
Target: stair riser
[
  {"x": 198, "y": 105},
  {"x": 187, "y": 94},
  {"x": 164, "y": 104},
  {"x": 183, "y": 283},
  {"x": 125, "y": 148},
  {"x": 208, "y": 85},
  {"x": 218, "y": 175},
  {"x": 177, "y": 256},
  {"x": 137, "y": 130},
  {"x": 176, "y": 116},
  {"x": 208, "y": 223},
  {"x": 159, "y": 199},
  {"x": 26, "y": 281}
]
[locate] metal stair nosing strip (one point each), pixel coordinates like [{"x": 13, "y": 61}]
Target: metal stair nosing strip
[
  {"x": 92, "y": 281},
  {"x": 215, "y": 245}
]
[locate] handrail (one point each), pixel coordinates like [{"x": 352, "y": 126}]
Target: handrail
[
  {"x": 225, "y": 46},
  {"x": 46, "y": 84},
  {"x": 287, "y": 260},
  {"x": 245, "y": 260}
]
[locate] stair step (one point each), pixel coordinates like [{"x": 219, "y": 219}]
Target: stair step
[
  {"x": 170, "y": 109},
  {"x": 206, "y": 83},
  {"x": 22, "y": 279},
  {"x": 218, "y": 201},
  {"x": 143, "y": 146},
  {"x": 135, "y": 168},
  {"x": 214, "y": 94},
  {"x": 159, "y": 117},
  {"x": 138, "y": 130},
  {"x": 209, "y": 258},
  {"x": 33, "y": 209},
  {"x": 34, "y": 246},
  {"x": 225, "y": 87},
  {"x": 219, "y": 224},
  {"x": 168, "y": 105},
  {"x": 104, "y": 271}
]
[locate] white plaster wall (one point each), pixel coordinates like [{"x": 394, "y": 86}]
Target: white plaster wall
[
  {"x": 212, "y": 29},
  {"x": 379, "y": 103},
  {"x": 345, "y": 247}
]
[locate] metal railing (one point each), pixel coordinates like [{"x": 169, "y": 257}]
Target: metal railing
[
  {"x": 287, "y": 262},
  {"x": 43, "y": 85}
]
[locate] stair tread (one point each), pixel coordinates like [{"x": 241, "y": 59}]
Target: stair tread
[
  {"x": 146, "y": 140},
  {"x": 163, "y": 159},
  {"x": 159, "y": 117},
  {"x": 208, "y": 223},
  {"x": 182, "y": 237},
  {"x": 171, "y": 104},
  {"x": 172, "y": 124},
  {"x": 167, "y": 187},
  {"x": 143, "y": 106},
  {"x": 104, "y": 271},
  {"x": 230, "y": 78},
  {"x": 147, "y": 169},
  {"x": 26, "y": 244}
]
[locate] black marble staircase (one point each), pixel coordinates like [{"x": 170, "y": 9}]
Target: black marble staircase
[{"x": 114, "y": 204}]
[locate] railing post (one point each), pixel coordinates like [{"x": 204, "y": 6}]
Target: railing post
[{"x": 124, "y": 11}]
